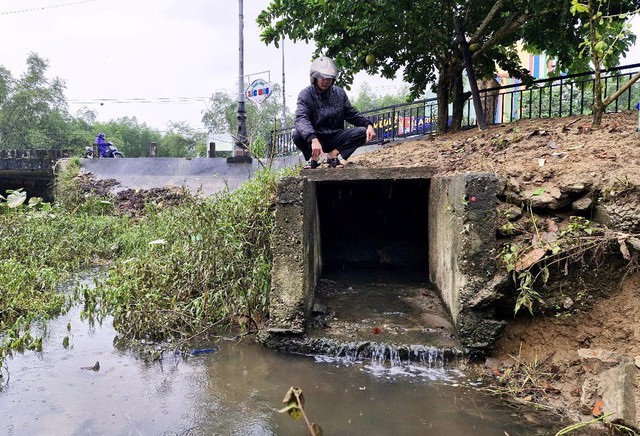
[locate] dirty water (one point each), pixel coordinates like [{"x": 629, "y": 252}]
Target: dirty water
[
  {"x": 384, "y": 307},
  {"x": 236, "y": 389}
]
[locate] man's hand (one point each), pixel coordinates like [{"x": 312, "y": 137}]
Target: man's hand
[
  {"x": 316, "y": 147},
  {"x": 371, "y": 132}
]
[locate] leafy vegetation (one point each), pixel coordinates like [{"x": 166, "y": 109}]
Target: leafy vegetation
[
  {"x": 417, "y": 38},
  {"x": 40, "y": 247},
  {"x": 553, "y": 247},
  {"x": 524, "y": 382},
  {"x": 606, "y": 26},
  {"x": 171, "y": 274},
  {"x": 196, "y": 267}
]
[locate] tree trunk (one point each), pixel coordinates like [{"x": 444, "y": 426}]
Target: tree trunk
[
  {"x": 598, "y": 112},
  {"x": 444, "y": 89},
  {"x": 458, "y": 97},
  {"x": 598, "y": 106},
  {"x": 489, "y": 98}
]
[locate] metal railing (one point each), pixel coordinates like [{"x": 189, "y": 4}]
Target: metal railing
[{"x": 546, "y": 98}]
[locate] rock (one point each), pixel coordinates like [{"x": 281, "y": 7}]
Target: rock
[
  {"x": 546, "y": 198},
  {"x": 635, "y": 243},
  {"x": 582, "y": 204},
  {"x": 596, "y": 360},
  {"x": 577, "y": 188},
  {"x": 502, "y": 184},
  {"x": 618, "y": 392},
  {"x": 567, "y": 303},
  {"x": 513, "y": 185},
  {"x": 588, "y": 395},
  {"x": 510, "y": 211},
  {"x": 622, "y": 214},
  {"x": 611, "y": 379},
  {"x": 492, "y": 363},
  {"x": 601, "y": 215}
]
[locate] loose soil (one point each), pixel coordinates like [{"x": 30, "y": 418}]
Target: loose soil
[{"x": 573, "y": 161}]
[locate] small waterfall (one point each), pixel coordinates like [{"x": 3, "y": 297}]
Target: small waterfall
[{"x": 379, "y": 354}]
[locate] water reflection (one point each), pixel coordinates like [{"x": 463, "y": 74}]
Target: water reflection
[{"x": 235, "y": 390}]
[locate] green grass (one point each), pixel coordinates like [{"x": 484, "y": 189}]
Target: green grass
[{"x": 171, "y": 274}]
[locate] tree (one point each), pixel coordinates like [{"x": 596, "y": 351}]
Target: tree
[
  {"x": 33, "y": 109},
  {"x": 609, "y": 30},
  {"x": 419, "y": 38},
  {"x": 366, "y": 99},
  {"x": 181, "y": 140},
  {"x": 221, "y": 117}
]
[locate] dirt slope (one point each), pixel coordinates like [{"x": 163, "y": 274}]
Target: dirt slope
[
  {"x": 573, "y": 162},
  {"x": 572, "y": 151}
]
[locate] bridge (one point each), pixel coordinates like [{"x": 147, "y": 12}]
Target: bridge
[{"x": 32, "y": 170}]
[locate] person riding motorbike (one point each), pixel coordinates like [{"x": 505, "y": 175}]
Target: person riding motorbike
[{"x": 102, "y": 144}]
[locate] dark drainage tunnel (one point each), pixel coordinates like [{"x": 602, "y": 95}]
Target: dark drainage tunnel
[{"x": 374, "y": 224}]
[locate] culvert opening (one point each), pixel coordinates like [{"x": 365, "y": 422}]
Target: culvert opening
[
  {"x": 364, "y": 221},
  {"x": 374, "y": 284},
  {"x": 374, "y": 224}
]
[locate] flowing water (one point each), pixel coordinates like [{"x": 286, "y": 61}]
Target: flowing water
[{"x": 236, "y": 389}]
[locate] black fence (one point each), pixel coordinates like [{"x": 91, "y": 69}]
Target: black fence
[{"x": 547, "y": 98}]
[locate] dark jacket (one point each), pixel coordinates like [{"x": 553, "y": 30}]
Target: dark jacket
[{"x": 325, "y": 112}]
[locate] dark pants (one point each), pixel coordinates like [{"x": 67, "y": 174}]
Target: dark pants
[{"x": 345, "y": 141}]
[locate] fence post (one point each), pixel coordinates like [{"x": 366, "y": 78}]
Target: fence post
[
  {"x": 153, "y": 149},
  {"x": 96, "y": 150}
]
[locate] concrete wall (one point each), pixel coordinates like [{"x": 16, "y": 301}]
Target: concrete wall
[
  {"x": 296, "y": 256},
  {"x": 31, "y": 160},
  {"x": 462, "y": 241}
]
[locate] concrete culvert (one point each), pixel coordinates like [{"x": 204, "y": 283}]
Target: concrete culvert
[{"x": 424, "y": 246}]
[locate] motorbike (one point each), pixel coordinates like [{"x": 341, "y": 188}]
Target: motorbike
[{"x": 112, "y": 151}]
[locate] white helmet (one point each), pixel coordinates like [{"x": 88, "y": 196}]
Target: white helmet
[{"x": 323, "y": 68}]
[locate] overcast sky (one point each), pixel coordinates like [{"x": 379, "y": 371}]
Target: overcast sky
[{"x": 171, "y": 53}]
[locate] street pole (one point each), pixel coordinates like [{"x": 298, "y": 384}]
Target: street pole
[
  {"x": 241, "y": 151},
  {"x": 284, "y": 98}
]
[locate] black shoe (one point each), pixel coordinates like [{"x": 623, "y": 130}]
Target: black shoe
[
  {"x": 334, "y": 162},
  {"x": 312, "y": 164}
]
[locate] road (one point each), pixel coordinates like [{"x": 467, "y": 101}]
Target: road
[{"x": 205, "y": 175}]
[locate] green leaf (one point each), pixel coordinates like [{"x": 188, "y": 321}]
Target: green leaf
[
  {"x": 16, "y": 199},
  {"x": 34, "y": 201},
  {"x": 292, "y": 410}
]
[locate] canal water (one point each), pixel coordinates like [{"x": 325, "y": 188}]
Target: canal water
[{"x": 237, "y": 389}]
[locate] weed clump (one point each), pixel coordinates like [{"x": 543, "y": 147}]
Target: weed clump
[{"x": 171, "y": 271}]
